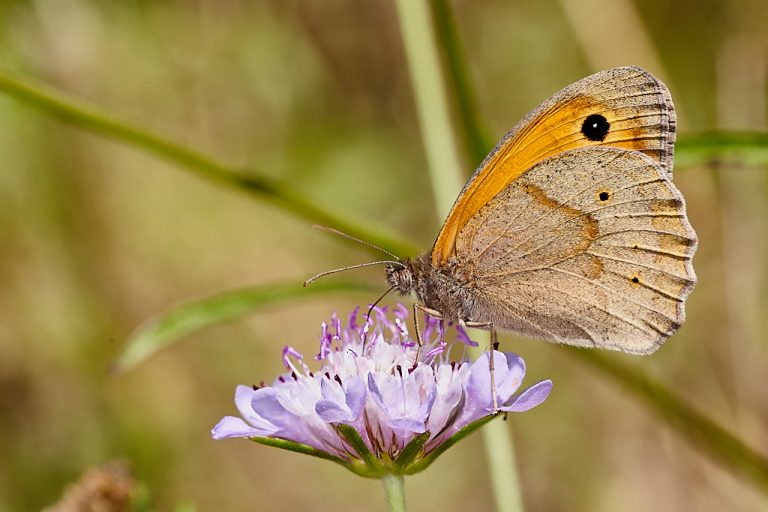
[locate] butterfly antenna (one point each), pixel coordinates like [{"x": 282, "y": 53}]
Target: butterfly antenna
[
  {"x": 368, "y": 315},
  {"x": 342, "y": 269},
  {"x": 354, "y": 239}
]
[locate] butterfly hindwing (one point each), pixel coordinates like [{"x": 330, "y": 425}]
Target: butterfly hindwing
[{"x": 590, "y": 247}]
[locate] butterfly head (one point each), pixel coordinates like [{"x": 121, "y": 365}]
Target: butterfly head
[{"x": 400, "y": 276}]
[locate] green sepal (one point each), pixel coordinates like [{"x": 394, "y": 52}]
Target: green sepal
[
  {"x": 370, "y": 466},
  {"x": 410, "y": 452},
  {"x": 297, "y": 447},
  {"x": 424, "y": 463}
]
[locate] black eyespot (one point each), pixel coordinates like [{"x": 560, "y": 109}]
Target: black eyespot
[
  {"x": 595, "y": 127},
  {"x": 604, "y": 195},
  {"x": 636, "y": 280}
]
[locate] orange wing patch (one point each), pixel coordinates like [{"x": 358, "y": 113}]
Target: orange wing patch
[{"x": 627, "y": 108}]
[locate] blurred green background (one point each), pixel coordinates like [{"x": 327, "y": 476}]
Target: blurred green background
[{"x": 96, "y": 237}]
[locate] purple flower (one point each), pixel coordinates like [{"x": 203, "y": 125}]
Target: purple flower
[{"x": 379, "y": 403}]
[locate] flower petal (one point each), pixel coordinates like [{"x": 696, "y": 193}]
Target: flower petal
[
  {"x": 356, "y": 392},
  {"x": 375, "y": 383},
  {"x": 244, "y": 397},
  {"x": 408, "y": 425},
  {"x": 264, "y": 403},
  {"x": 509, "y": 376},
  {"x": 332, "y": 412},
  {"x": 530, "y": 398},
  {"x": 229, "y": 426}
]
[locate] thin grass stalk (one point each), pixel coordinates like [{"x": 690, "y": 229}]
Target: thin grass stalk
[{"x": 473, "y": 135}]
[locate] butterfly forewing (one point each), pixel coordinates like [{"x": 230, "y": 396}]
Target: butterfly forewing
[
  {"x": 624, "y": 107},
  {"x": 590, "y": 247}
]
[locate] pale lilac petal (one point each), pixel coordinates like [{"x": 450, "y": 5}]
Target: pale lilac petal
[
  {"x": 229, "y": 426},
  {"x": 332, "y": 390},
  {"x": 375, "y": 393},
  {"x": 450, "y": 383},
  {"x": 244, "y": 402},
  {"x": 508, "y": 377},
  {"x": 530, "y": 398},
  {"x": 335, "y": 407},
  {"x": 509, "y": 370},
  {"x": 422, "y": 379},
  {"x": 356, "y": 393},
  {"x": 265, "y": 401},
  {"x": 479, "y": 384},
  {"x": 332, "y": 412},
  {"x": 408, "y": 425}
]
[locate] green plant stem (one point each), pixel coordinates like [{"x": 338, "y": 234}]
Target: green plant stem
[
  {"x": 394, "y": 486},
  {"x": 502, "y": 466},
  {"x": 447, "y": 178},
  {"x": 474, "y": 136},
  {"x": 271, "y": 190},
  {"x": 428, "y": 84}
]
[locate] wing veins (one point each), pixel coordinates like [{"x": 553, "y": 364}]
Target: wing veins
[
  {"x": 600, "y": 308},
  {"x": 629, "y": 262},
  {"x": 572, "y": 219},
  {"x": 538, "y": 219}
]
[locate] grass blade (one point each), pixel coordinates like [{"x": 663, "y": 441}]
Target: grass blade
[
  {"x": 97, "y": 121},
  {"x": 180, "y": 321}
]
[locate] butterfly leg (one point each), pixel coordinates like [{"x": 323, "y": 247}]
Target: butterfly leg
[
  {"x": 494, "y": 344},
  {"x": 427, "y": 311}
]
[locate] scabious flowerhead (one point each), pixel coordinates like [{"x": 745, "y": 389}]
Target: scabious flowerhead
[{"x": 380, "y": 403}]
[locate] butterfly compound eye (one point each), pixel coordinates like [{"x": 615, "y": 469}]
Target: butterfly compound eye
[{"x": 595, "y": 127}]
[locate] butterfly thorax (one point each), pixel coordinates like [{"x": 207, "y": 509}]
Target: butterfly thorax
[{"x": 439, "y": 288}]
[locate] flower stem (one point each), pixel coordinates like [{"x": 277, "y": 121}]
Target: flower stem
[{"x": 394, "y": 486}]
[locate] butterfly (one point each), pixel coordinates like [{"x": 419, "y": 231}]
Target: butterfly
[{"x": 571, "y": 229}]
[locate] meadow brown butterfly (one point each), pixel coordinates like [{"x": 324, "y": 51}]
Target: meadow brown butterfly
[{"x": 571, "y": 229}]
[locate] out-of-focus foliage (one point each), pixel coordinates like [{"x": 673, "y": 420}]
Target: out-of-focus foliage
[{"x": 95, "y": 238}]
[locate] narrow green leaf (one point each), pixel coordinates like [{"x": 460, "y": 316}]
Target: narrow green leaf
[
  {"x": 280, "y": 194},
  {"x": 355, "y": 466},
  {"x": 182, "y": 320},
  {"x": 747, "y": 147}
]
